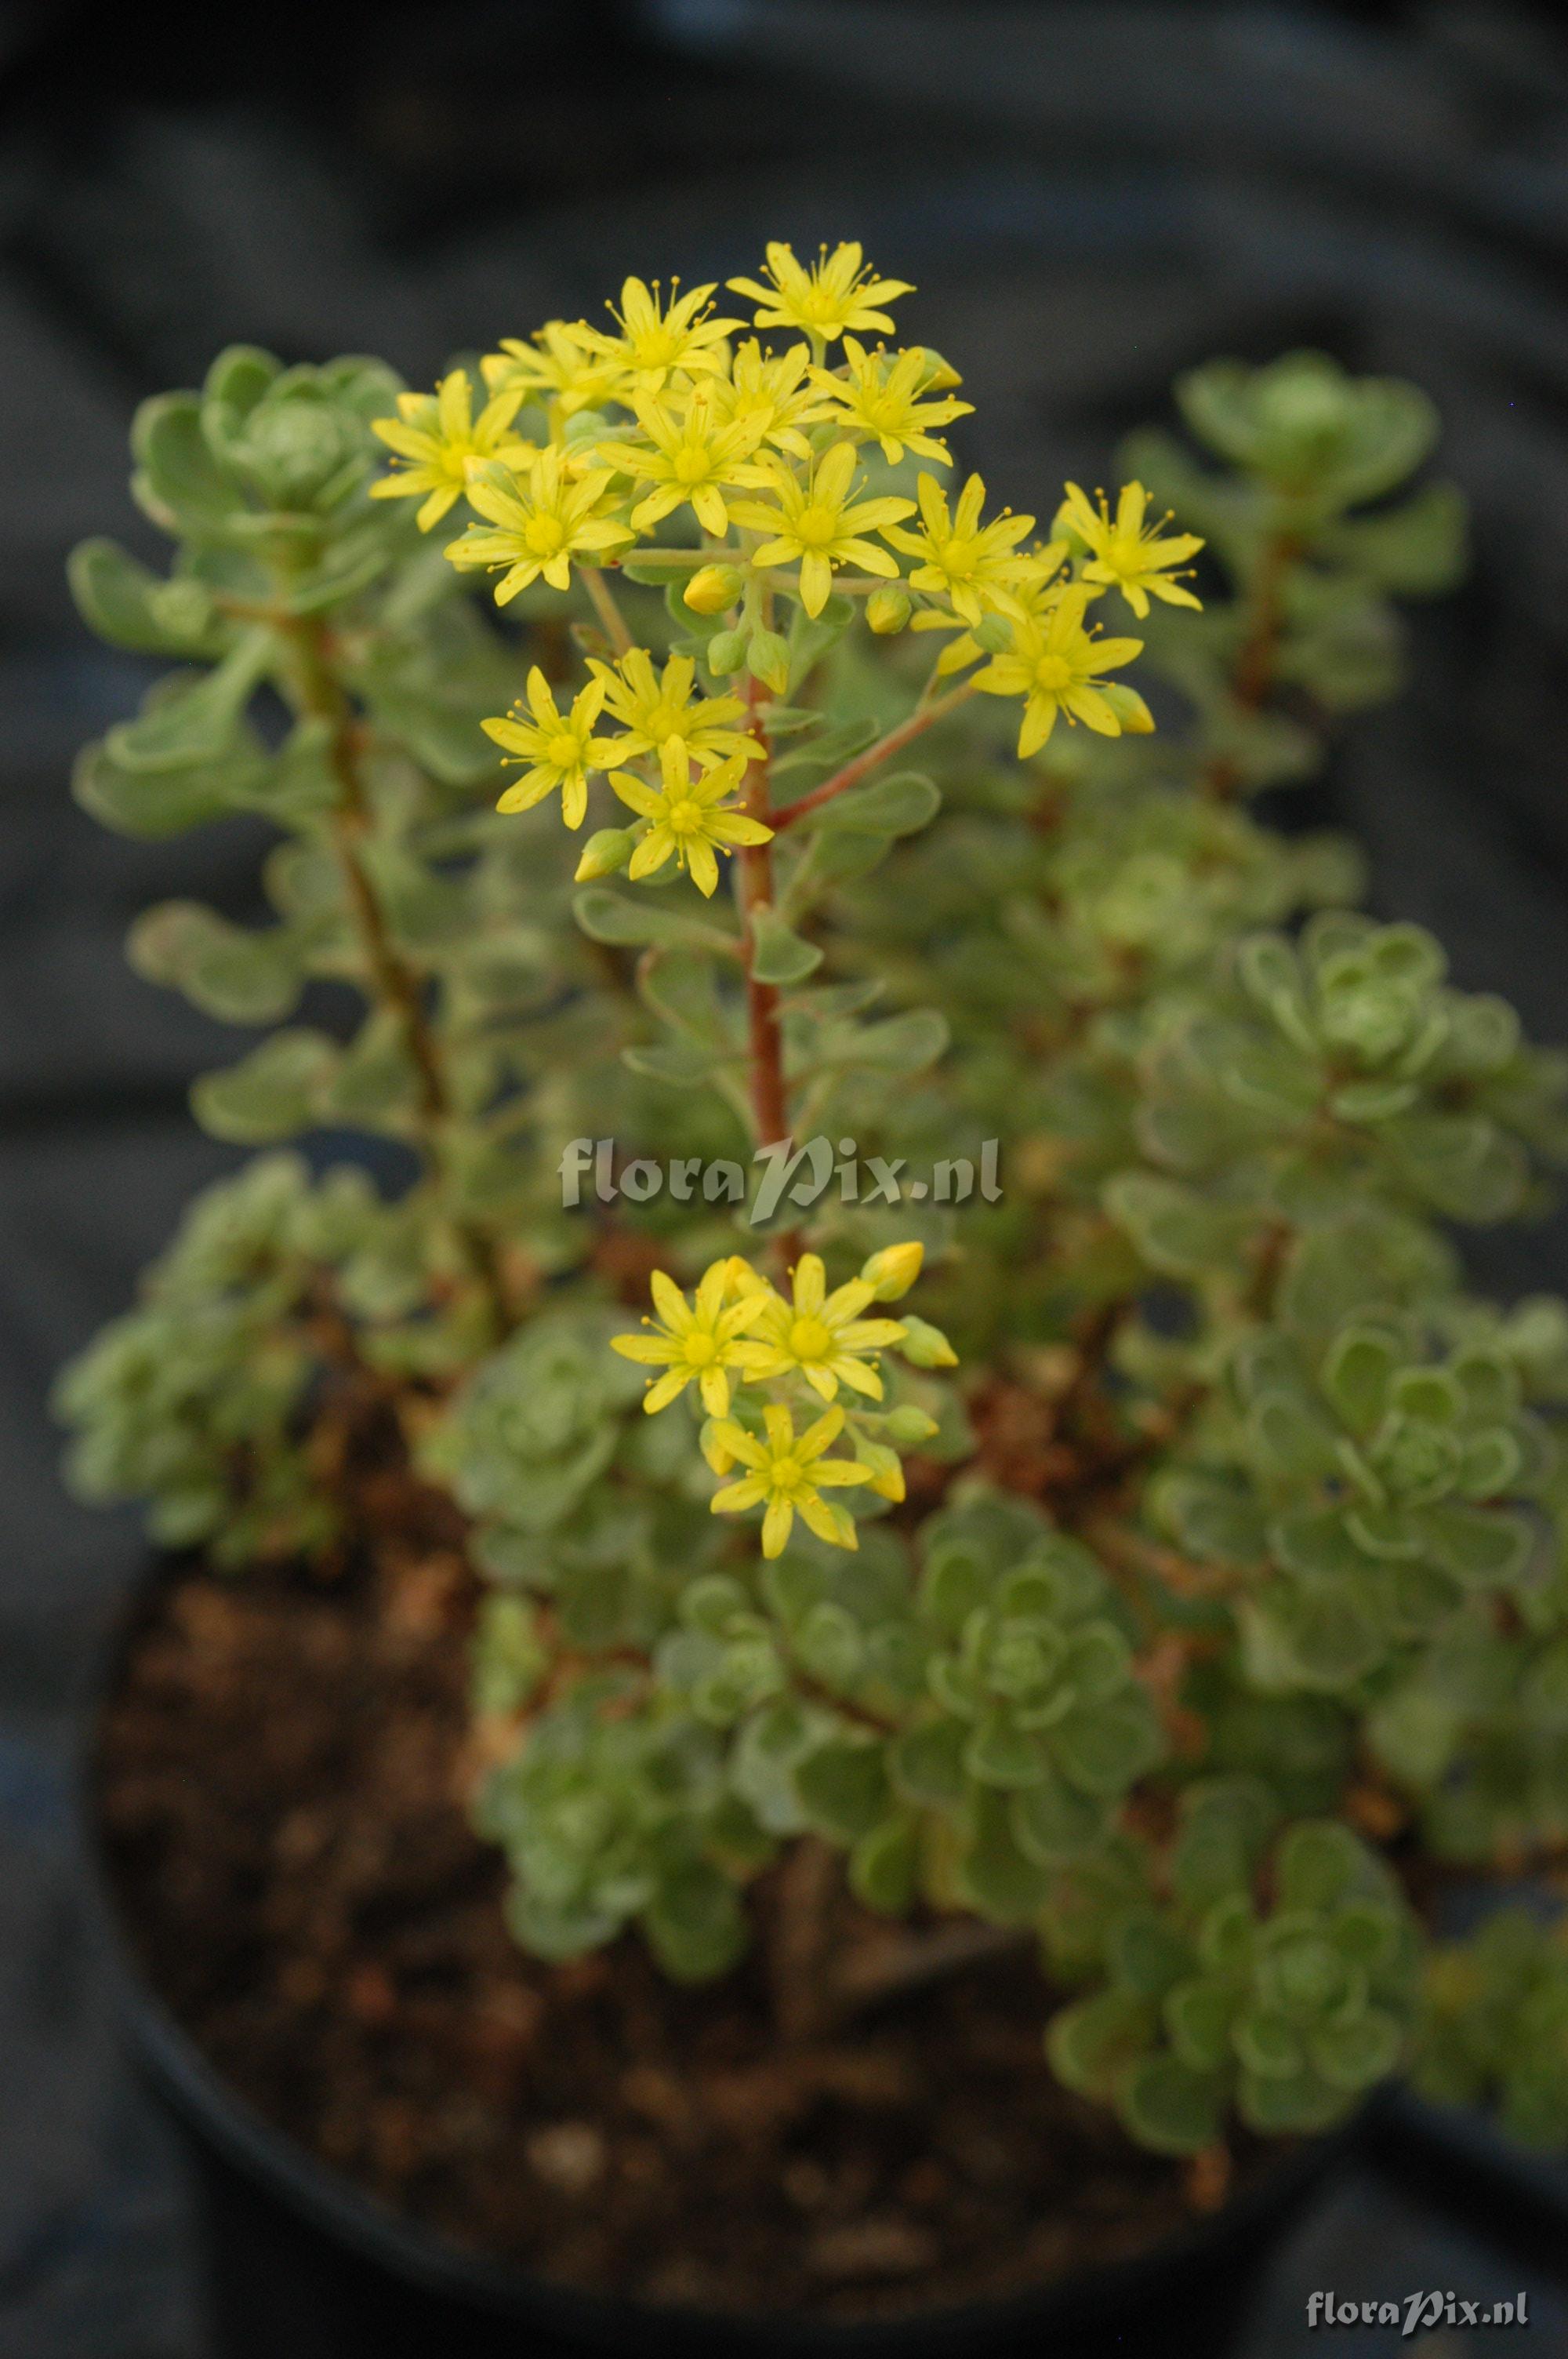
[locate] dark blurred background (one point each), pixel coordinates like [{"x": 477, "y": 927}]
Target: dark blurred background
[{"x": 1091, "y": 198}]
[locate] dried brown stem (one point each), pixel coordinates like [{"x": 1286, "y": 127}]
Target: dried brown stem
[
  {"x": 799, "y": 1934},
  {"x": 909, "y": 1961}
]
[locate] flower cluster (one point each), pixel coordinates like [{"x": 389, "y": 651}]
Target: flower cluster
[
  {"x": 791, "y": 1351},
  {"x": 594, "y": 441}
]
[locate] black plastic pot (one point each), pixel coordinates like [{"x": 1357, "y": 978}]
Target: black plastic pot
[{"x": 302, "y": 2263}]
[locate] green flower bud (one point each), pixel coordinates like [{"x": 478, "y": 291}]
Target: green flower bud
[
  {"x": 887, "y": 612},
  {"x": 726, "y": 652},
  {"x": 712, "y": 588},
  {"x": 767, "y": 659},
  {"x": 994, "y": 632},
  {"x": 925, "y": 1346},
  {"x": 1129, "y": 708},
  {"x": 610, "y": 849},
  {"x": 907, "y": 1427}
]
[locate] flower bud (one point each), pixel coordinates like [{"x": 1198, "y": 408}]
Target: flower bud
[
  {"x": 1129, "y": 708},
  {"x": 767, "y": 659},
  {"x": 726, "y": 652},
  {"x": 887, "y": 612},
  {"x": 994, "y": 632},
  {"x": 712, "y": 588},
  {"x": 907, "y": 1426},
  {"x": 940, "y": 375},
  {"x": 925, "y": 1346},
  {"x": 740, "y": 1279},
  {"x": 887, "y": 1474},
  {"x": 894, "y": 1270},
  {"x": 712, "y": 1448},
  {"x": 610, "y": 849}
]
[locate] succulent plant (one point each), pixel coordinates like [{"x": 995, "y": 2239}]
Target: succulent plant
[{"x": 951, "y": 1360}]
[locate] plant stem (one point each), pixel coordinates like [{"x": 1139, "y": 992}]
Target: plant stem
[
  {"x": 754, "y": 889},
  {"x": 1253, "y": 675},
  {"x": 922, "y": 718},
  {"x": 606, "y": 608},
  {"x": 798, "y": 1939},
  {"x": 393, "y": 981}
]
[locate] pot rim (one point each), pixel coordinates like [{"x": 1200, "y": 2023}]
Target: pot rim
[{"x": 374, "y": 2230}]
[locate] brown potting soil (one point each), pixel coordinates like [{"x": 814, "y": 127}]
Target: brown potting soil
[{"x": 282, "y": 1780}]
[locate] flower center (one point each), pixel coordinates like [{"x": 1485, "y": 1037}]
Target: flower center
[
  {"x": 691, "y": 466},
  {"x": 815, "y": 524},
  {"x": 563, "y": 750},
  {"x": 685, "y": 817},
  {"x": 1052, "y": 673},
  {"x": 809, "y": 1339},
  {"x": 701, "y": 1351},
  {"x": 662, "y": 721},
  {"x": 543, "y": 535}
]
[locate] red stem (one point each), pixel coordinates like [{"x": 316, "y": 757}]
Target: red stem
[
  {"x": 770, "y": 1108},
  {"x": 919, "y": 721}
]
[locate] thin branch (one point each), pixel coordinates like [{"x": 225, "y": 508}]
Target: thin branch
[
  {"x": 393, "y": 980},
  {"x": 919, "y": 722},
  {"x": 910, "y": 1961},
  {"x": 1253, "y": 676},
  {"x": 605, "y": 607},
  {"x": 754, "y": 888}
]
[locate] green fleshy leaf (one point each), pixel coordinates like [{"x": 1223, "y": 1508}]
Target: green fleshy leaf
[
  {"x": 843, "y": 1789},
  {"x": 616, "y": 917},
  {"x": 243, "y": 977},
  {"x": 271, "y": 1094},
  {"x": 1169, "y": 2107},
  {"x": 779, "y": 954},
  {"x": 900, "y": 805},
  {"x": 1357, "y": 1374},
  {"x": 1094, "y": 2042},
  {"x": 884, "y": 1866}
]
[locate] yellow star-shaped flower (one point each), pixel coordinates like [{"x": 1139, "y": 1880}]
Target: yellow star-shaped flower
[
  {"x": 1055, "y": 666},
  {"x": 1128, "y": 555},
  {"x": 822, "y": 1336},
  {"x": 540, "y": 520},
  {"x": 788, "y": 1474},
  {"x": 818, "y": 525},
  {"x": 691, "y": 821},
  {"x": 653, "y": 339},
  {"x": 559, "y": 748},
  {"x": 772, "y": 393},
  {"x": 435, "y": 436},
  {"x": 657, "y": 709},
  {"x": 835, "y": 294},
  {"x": 963, "y": 560},
  {"x": 698, "y": 1342},
  {"x": 559, "y": 364},
  {"x": 688, "y": 460},
  {"x": 880, "y": 397}
]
